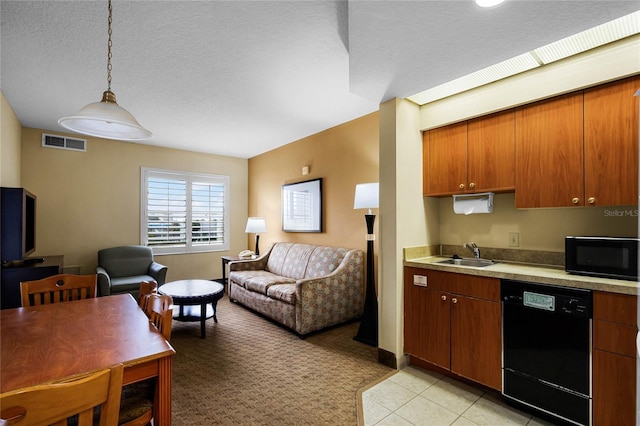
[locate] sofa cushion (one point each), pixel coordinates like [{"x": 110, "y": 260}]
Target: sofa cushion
[
  {"x": 277, "y": 257},
  {"x": 128, "y": 284},
  {"x": 259, "y": 281},
  {"x": 324, "y": 260},
  {"x": 295, "y": 263},
  {"x": 283, "y": 292}
]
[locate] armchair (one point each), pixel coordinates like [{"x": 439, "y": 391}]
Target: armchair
[{"x": 122, "y": 269}]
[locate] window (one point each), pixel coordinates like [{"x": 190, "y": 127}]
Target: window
[{"x": 184, "y": 212}]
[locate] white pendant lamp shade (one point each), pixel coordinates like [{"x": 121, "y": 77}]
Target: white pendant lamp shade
[{"x": 106, "y": 119}]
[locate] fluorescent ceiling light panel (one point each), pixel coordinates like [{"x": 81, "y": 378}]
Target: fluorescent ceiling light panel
[
  {"x": 479, "y": 78},
  {"x": 589, "y": 39},
  {"x": 597, "y": 36}
]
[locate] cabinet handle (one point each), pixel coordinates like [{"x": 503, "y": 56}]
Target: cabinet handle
[
  {"x": 443, "y": 297},
  {"x": 575, "y": 200},
  {"x": 591, "y": 200},
  {"x": 462, "y": 186},
  {"x": 472, "y": 185},
  {"x": 454, "y": 300}
]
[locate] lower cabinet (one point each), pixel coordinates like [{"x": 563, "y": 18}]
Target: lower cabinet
[
  {"x": 453, "y": 321},
  {"x": 614, "y": 359}
]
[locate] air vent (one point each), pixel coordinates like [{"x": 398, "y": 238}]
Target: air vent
[{"x": 62, "y": 142}]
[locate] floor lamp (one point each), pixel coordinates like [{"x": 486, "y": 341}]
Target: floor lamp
[
  {"x": 256, "y": 225},
  {"x": 367, "y": 198}
]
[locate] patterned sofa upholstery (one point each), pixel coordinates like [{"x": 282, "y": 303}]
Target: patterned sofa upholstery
[{"x": 302, "y": 286}]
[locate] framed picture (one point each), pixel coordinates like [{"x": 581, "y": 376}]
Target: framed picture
[{"x": 302, "y": 206}]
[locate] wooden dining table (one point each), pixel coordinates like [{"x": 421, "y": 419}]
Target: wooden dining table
[{"x": 42, "y": 344}]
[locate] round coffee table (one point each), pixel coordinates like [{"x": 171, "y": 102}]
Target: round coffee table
[{"x": 193, "y": 297}]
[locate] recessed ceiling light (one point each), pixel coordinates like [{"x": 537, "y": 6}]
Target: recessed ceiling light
[{"x": 488, "y": 3}]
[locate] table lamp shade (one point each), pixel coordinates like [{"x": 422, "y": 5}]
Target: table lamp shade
[
  {"x": 256, "y": 225},
  {"x": 366, "y": 196}
]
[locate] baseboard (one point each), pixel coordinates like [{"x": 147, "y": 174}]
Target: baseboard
[{"x": 387, "y": 358}]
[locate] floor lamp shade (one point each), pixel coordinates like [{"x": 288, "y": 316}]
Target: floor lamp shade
[
  {"x": 256, "y": 225},
  {"x": 367, "y": 197}
]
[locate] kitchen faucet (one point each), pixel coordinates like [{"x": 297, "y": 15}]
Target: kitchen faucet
[{"x": 472, "y": 247}]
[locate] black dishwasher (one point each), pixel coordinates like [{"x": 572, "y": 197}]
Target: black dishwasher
[{"x": 546, "y": 344}]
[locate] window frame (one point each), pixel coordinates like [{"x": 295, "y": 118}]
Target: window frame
[{"x": 189, "y": 178}]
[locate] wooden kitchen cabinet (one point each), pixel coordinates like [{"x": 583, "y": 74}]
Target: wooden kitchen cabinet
[
  {"x": 549, "y": 153},
  {"x": 614, "y": 358},
  {"x": 611, "y": 143},
  {"x": 454, "y": 322},
  {"x": 445, "y": 152},
  {"x": 579, "y": 149},
  {"x": 473, "y": 156},
  {"x": 491, "y": 152}
]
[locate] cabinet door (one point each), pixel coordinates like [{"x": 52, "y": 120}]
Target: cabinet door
[
  {"x": 446, "y": 167},
  {"x": 426, "y": 319},
  {"x": 614, "y": 389},
  {"x": 549, "y": 157},
  {"x": 614, "y": 358},
  {"x": 476, "y": 340},
  {"x": 491, "y": 152},
  {"x": 611, "y": 143}
]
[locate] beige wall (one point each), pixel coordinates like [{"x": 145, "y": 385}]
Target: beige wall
[
  {"x": 10, "y": 136},
  {"x": 539, "y": 229},
  {"x": 342, "y": 156},
  {"x": 91, "y": 200}
]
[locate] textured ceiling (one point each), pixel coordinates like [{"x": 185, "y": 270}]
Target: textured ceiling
[{"x": 240, "y": 78}]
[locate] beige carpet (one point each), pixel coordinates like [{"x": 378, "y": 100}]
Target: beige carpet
[{"x": 250, "y": 371}]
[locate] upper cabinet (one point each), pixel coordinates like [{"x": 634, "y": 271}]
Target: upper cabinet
[
  {"x": 579, "y": 149},
  {"x": 445, "y": 151},
  {"x": 472, "y": 156},
  {"x": 611, "y": 143},
  {"x": 549, "y": 153},
  {"x": 491, "y": 151}
]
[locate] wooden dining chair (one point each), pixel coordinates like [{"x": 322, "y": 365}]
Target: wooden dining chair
[
  {"x": 146, "y": 288},
  {"x": 56, "y": 402},
  {"x": 58, "y": 288},
  {"x": 136, "y": 405}
]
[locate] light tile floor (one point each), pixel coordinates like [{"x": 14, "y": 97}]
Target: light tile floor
[{"x": 423, "y": 398}]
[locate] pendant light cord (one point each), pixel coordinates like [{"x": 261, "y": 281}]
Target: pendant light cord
[{"x": 109, "y": 44}]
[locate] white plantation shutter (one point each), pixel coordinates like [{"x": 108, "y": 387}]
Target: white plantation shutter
[{"x": 184, "y": 212}]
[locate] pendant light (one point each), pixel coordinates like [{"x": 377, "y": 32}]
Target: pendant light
[{"x": 106, "y": 119}]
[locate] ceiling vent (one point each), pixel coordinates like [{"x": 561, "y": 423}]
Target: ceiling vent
[{"x": 62, "y": 142}]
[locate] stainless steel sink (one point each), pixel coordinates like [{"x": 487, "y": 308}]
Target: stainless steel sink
[{"x": 478, "y": 263}]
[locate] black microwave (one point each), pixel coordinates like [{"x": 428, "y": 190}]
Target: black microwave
[{"x": 607, "y": 257}]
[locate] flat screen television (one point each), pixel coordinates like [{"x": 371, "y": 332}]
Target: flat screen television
[{"x": 18, "y": 223}]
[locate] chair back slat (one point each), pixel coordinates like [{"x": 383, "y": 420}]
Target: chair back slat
[
  {"x": 146, "y": 288},
  {"x": 58, "y": 288},
  {"x": 53, "y": 403},
  {"x": 160, "y": 313}
]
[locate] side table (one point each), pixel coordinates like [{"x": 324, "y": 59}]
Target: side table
[{"x": 225, "y": 262}]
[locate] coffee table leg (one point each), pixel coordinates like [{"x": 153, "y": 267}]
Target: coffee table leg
[{"x": 203, "y": 318}]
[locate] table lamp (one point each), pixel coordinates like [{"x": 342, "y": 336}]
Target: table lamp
[
  {"x": 256, "y": 225},
  {"x": 367, "y": 198}
]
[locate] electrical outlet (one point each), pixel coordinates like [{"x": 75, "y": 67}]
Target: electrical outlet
[{"x": 514, "y": 239}]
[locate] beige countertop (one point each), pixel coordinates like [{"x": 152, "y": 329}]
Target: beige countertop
[{"x": 543, "y": 274}]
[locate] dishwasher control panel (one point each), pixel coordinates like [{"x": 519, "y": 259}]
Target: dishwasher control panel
[{"x": 564, "y": 300}]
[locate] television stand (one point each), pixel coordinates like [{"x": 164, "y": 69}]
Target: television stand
[{"x": 31, "y": 268}]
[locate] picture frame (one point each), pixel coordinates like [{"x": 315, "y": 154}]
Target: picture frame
[{"x": 302, "y": 206}]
